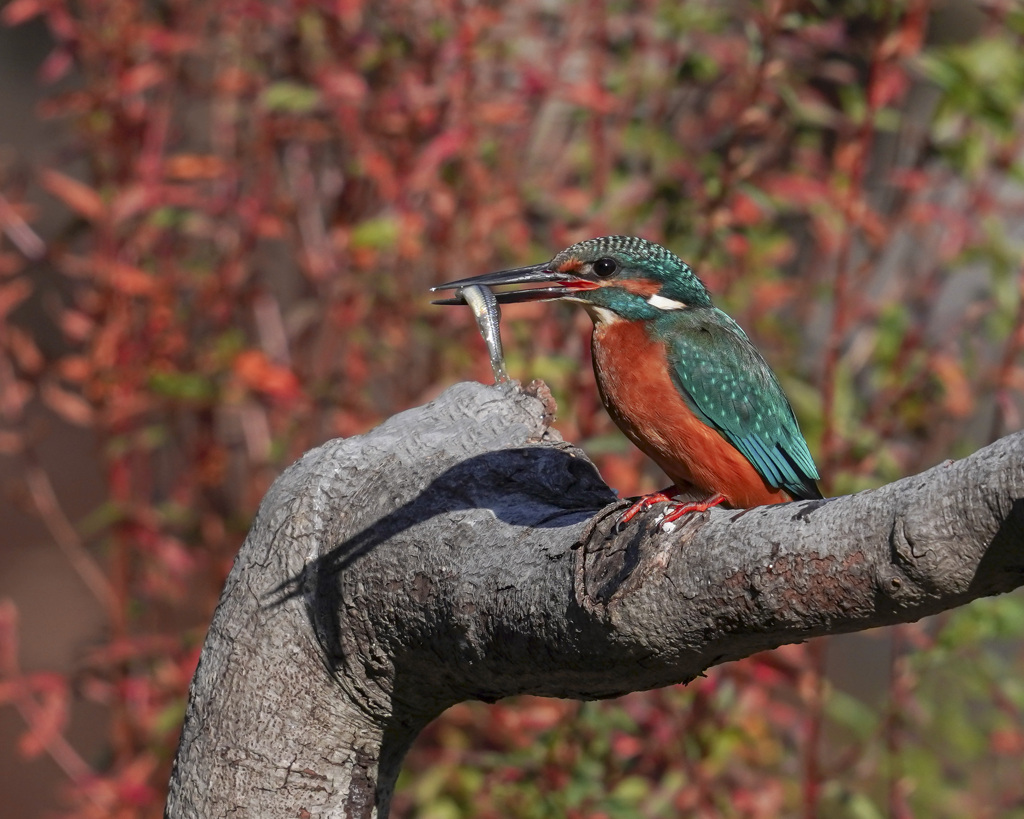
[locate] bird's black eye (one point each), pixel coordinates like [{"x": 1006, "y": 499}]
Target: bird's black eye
[{"x": 605, "y": 267}]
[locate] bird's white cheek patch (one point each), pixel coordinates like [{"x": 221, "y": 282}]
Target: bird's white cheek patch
[{"x": 665, "y": 304}]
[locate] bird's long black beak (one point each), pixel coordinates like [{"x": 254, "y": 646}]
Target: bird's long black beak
[{"x": 568, "y": 283}]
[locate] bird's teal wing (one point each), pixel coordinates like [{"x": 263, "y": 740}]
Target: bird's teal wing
[{"x": 731, "y": 388}]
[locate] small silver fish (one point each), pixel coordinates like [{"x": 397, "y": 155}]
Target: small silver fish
[{"x": 485, "y": 309}]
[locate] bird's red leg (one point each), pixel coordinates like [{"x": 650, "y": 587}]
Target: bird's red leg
[
  {"x": 685, "y": 508},
  {"x": 678, "y": 509},
  {"x": 646, "y": 502}
]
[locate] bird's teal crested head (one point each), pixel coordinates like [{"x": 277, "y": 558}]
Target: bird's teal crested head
[
  {"x": 614, "y": 277},
  {"x": 634, "y": 278}
]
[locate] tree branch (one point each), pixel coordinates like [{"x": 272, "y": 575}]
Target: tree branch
[{"x": 461, "y": 550}]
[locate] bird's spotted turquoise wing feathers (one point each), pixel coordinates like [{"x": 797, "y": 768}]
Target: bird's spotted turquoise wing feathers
[{"x": 730, "y": 387}]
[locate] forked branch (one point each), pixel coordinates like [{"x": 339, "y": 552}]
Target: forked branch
[{"x": 461, "y": 550}]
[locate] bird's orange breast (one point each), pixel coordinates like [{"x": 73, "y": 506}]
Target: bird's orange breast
[{"x": 637, "y": 389}]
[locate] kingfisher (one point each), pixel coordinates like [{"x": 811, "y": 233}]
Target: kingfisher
[{"x": 677, "y": 375}]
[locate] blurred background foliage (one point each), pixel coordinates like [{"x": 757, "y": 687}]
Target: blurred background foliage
[{"x": 251, "y": 202}]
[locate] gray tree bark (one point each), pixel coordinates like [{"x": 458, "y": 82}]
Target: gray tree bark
[{"x": 461, "y": 550}]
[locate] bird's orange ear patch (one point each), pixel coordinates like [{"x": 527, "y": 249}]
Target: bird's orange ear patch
[{"x": 640, "y": 287}]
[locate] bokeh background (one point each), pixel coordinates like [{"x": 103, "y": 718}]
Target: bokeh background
[{"x": 218, "y": 225}]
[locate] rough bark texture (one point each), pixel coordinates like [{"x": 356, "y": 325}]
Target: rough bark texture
[{"x": 461, "y": 550}]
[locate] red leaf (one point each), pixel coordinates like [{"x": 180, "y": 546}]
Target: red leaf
[
  {"x": 50, "y": 715},
  {"x": 141, "y": 77},
  {"x": 21, "y": 11},
  {"x": 588, "y": 94},
  {"x": 24, "y": 350},
  {"x": 11, "y": 443},
  {"x": 12, "y": 294},
  {"x": 75, "y": 368},
  {"x": 793, "y": 189},
  {"x": 10, "y": 263},
  {"x": 77, "y": 326},
  {"x": 72, "y": 408},
  {"x": 194, "y": 166},
  {"x": 56, "y": 65},
  {"x": 8, "y": 637},
  {"x": 76, "y": 195},
  {"x": 745, "y": 211},
  {"x": 14, "y": 396},
  {"x": 128, "y": 279},
  {"x": 259, "y": 374},
  {"x": 890, "y": 83},
  {"x": 10, "y": 690},
  {"x": 959, "y": 397}
]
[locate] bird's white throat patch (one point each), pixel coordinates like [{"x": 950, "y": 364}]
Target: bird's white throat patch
[
  {"x": 602, "y": 315},
  {"x": 665, "y": 304}
]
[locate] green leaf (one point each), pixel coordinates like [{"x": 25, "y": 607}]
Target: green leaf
[
  {"x": 379, "y": 233},
  {"x": 290, "y": 98},
  {"x": 182, "y": 386}
]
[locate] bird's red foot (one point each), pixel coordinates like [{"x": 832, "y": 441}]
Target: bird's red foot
[
  {"x": 685, "y": 508},
  {"x": 676, "y": 511},
  {"x": 646, "y": 502}
]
